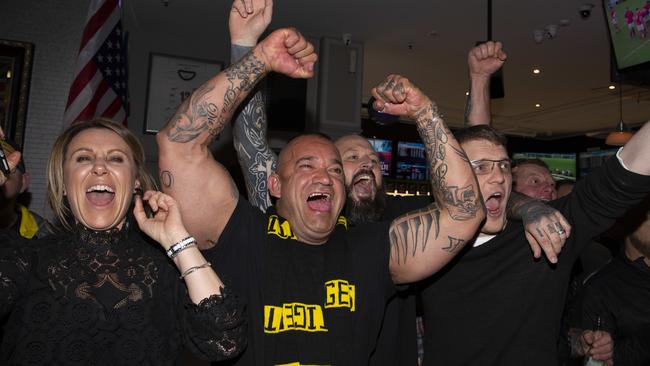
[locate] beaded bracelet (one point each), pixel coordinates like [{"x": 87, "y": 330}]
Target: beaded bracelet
[
  {"x": 194, "y": 269},
  {"x": 180, "y": 246}
]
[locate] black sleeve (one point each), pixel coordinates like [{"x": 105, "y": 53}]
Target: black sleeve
[
  {"x": 215, "y": 329},
  {"x": 599, "y": 199},
  {"x": 633, "y": 350}
]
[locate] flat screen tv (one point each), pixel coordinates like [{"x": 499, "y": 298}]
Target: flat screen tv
[
  {"x": 628, "y": 22},
  {"x": 561, "y": 165},
  {"x": 587, "y": 161},
  {"x": 384, "y": 149},
  {"x": 411, "y": 161}
]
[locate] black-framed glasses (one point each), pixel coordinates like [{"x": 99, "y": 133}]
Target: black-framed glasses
[{"x": 485, "y": 166}]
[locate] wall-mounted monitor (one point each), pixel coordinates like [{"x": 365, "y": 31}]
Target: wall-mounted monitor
[
  {"x": 411, "y": 161},
  {"x": 561, "y": 165},
  {"x": 587, "y": 161},
  {"x": 627, "y": 22},
  {"x": 384, "y": 149}
]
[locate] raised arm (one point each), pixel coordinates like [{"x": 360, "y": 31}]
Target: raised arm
[
  {"x": 424, "y": 241},
  {"x": 256, "y": 159},
  {"x": 483, "y": 61},
  {"x": 636, "y": 153},
  {"x": 203, "y": 188}
]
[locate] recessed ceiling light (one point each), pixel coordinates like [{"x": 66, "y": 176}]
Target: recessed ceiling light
[
  {"x": 537, "y": 105},
  {"x": 612, "y": 87},
  {"x": 466, "y": 93},
  {"x": 536, "y": 71}
]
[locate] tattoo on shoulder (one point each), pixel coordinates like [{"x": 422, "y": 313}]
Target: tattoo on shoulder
[{"x": 411, "y": 230}]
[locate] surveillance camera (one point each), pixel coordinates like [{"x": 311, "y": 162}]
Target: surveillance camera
[
  {"x": 585, "y": 10},
  {"x": 551, "y": 31},
  {"x": 347, "y": 39}
]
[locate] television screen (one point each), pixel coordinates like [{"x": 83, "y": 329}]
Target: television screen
[
  {"x": 562, "y": 165},
  {"x": 628, "y": 22},
  {"x": 589, "y": 160},
  {"x": 411, "y": 161},
  {"x": 384, "y": 149}
]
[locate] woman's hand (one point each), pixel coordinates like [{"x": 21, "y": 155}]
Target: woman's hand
[{"x": 166, "y": 226}]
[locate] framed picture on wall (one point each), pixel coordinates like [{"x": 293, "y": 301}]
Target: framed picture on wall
[
  {"x": 16, "y": 60},
  {"x": 172, "y": 79}
]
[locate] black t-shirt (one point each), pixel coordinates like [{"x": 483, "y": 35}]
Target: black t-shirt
[
  {"x": 496, "y": 305},
  {"x": 619, "y": 295},
  {"x": 397, "y": 342},
  {"x": 307, "y": 304}
]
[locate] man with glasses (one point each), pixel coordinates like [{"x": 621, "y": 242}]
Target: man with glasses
[{"x": 495, "y": 305}]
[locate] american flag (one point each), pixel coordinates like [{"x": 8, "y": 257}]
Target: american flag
[{"x": 99, "y": 88}]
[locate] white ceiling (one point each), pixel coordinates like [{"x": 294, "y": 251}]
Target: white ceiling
[{"x": 572, "y": 87}]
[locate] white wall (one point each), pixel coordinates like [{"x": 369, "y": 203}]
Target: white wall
[{"x": 54, "y": 27}]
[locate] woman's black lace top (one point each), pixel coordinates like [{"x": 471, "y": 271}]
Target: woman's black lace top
[{"x": 108, "y": 298}]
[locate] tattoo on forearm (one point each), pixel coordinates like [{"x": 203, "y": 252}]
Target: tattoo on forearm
[
  {"x": 412, "y": 230},
  {"x": 454, "y": 243},
  {"x": 461, "y": 202},
  {"x": 200, "y": 113},
  {"x": 255, "y": 157}
]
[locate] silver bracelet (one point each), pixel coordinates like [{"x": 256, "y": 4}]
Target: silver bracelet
[
  {"x": 180, "y": 246},
  {"x": 194, "y": 269}
]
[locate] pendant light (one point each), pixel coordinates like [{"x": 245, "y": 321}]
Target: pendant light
[{"x": 622, "y": 135}]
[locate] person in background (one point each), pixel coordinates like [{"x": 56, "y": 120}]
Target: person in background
[
  {"x": 15, "y": 216},
  {"x": 98, "y": 292},
  {"x": 616, "y": 300},
  {"x": 533, "y": 178}
]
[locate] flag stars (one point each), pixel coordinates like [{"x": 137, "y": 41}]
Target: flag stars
[
  {"x": 108, "y": 72},
  {"x": 110, "y": 59}
]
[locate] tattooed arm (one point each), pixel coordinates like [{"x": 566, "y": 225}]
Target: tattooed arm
[
  {"x": 186, "y": 164},
  {"x": 256, "y": 159},
  {"x": 545, "y": 227},
  {"x": 424, "y": 241},
  {"x": 483, "y": 61}
]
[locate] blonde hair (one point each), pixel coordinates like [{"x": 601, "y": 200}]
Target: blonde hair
[{"x": 55, "y": 186}]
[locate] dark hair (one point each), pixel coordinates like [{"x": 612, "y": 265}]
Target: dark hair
[
  {"x": 535, "y": 161},
  {"x": 481, "y": 132}
]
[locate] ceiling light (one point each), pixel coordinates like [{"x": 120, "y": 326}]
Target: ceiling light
[
  {"x": 612, "y": 87},
  {"x": 537, "y": 105},
  {"x": 466, "y": 93},
  {"x": 536, "y": 71}
]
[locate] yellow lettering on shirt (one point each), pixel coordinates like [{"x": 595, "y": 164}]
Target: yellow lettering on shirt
[
  {"x": 280, "y": 229},
  {"x": 342, "y": 221},
  {"x": 339, "y": 294},
  {"x": 294, "y": 316}
]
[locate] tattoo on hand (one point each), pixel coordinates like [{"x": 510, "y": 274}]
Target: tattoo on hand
[
  {"x": 411, "y": 230},
  {"x": 551, "y": 228}
]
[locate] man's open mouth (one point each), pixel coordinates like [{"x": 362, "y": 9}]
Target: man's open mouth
[{"x": 320, "y": 201}]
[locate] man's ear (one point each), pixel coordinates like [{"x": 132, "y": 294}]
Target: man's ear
[
  {"x": 25, "y": 182},
  {"x": 275, "y": 185}
]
